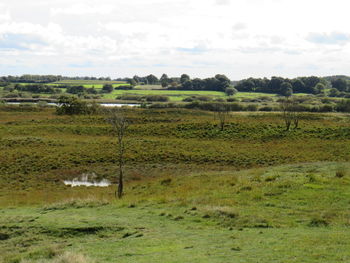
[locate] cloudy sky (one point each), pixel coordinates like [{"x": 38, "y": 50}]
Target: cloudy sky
[{"x": 119, "y": 38}]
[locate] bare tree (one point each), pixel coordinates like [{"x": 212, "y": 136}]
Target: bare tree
[
  {"x": 222, "y": 114},
  {"x": 290, "y": 113},
  {"x": 119, "y": 124}
]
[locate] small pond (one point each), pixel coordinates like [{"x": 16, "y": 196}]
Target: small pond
[{"x": 88, "y": 180}]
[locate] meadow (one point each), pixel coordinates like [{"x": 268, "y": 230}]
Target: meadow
[
  {"x": 250, "y": 193},
  {"x": 174, "y": 95}
]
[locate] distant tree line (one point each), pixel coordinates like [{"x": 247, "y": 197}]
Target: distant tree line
[
  {"x": 283, "y": 86},
  {"x": 37, "y": 88},
  {"x": 218, "y": 83},
  {"x": 31, "y": 78},
  {"x": 27, "y": 78},
  {"x": 337, "y": 86},
  {"x": 334, "y": 86}
]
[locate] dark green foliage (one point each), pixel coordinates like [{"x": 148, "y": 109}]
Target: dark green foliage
[
  {"x": 197, "y": 98},
  {"x": 218, "y": 83},
  {"x": 32, "y": 78},
  {"x": 74, "y": 106},
  {"x": 36, "y": 88},
  {"x": 340, "y": 84},
  {"x": 148, "y": 98},
  {"x": 107, "y": 88},
  {"x": 343, "y": 106},
  {"x": 230, "y": 91},
  {"x": 280, "y": 85},
  {"x": 80, "y": 90}
]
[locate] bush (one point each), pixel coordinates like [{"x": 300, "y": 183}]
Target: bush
[
  {"x": 326, "y": 108},
  {"x": 74, "y": 106},
  {"x": 159, "y": 98},
  {"x": 148, "y": 98},
  {"x": 230, "y": 91},
  {"x": 232, "y": 100},
  {"x": 266, "y": 108},
  {"x": 343, "y": 106},
  {"x": 318, "y": 222},
  {"x": 252, "y": 107},
  {"x": 130, "y": 97},
  {"x": 197, "y": 98},
  {"x": 213, "y": 106},
  {"x": 163, "y": 105},
  {"x": 124, "y": 87},
  {"x": 107, "y": 88},
  {"x": 340, "y": 173}
]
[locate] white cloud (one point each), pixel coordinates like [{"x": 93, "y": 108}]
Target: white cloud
[
  {"x": 83, "y": 9},
  {"x": 240, "y": 38}
]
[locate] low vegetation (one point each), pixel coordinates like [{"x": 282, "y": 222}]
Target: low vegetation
[{"x": 197, "y": 187}]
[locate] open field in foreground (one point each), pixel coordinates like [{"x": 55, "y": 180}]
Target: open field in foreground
[
  {"x": 296, "y": 213},
  {"x": 250, "y": 193}
]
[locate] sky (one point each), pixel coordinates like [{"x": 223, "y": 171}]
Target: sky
[{"x": 123, "y": 38}]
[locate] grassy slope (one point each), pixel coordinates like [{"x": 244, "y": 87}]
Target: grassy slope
[{"x": 271, "y": 214}]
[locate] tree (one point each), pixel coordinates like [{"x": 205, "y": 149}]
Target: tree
[
  {"x": 74, "y": 106},
  {"x": 132, "y": 82},
  {"x": 224, "y": 82},
  {"x": 343, "y": 106},
  {"x": 152, "y": 80},
  {"x": 119, "y": 124},
  {"x": 319, "y": 88},
  {"x": 340, "y": 84},
  {"x": 222, "y": 114},
  {"x": 286, "y": 89},
  {"x": 334, "y": 92},
  {"x": 230, "y": 91},
  {"x": 298, "y": 86},
  {"x": 290, "y": 113},
  {"x": 184, "y": 78},
  {"x": 187, "y": 85},
  {"x": 108, "y": 88},
  {"x": 70, "y": 106}
]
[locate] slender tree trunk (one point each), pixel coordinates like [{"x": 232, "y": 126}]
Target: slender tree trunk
[
  {"x": 121, "y": 165},
  {"x": 120, "y": 185}
]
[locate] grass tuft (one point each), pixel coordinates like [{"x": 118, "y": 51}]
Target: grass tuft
[{"x": 76, "y": 203}]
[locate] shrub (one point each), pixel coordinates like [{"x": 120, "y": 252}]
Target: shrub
[
  {"x": 266, "y": 108},
  {"x": 74, "y": 106},
  {"x": 108, "y": 88},
  {"x": 232, "y": 100},
  {"x": 130, "y": 97},
  {"x": 340, "y": 173},
  {"x": 343, "y": 106},
  {"x": 197, "y": 98},
  {"x": 230, "y": 91},
  {"x": 318, "y": 222},
  {"x": 163, "y": 105},
  {"x": 252, "y": 107},
  {"x": 213, "y": 106},
  {"x": 159, "y": 98},
  {"x": 326, "y": 108},
  {"x": 124, "y": 87}
]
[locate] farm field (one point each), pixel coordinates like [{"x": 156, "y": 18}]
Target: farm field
[
  {"x": 174, "y": 95},
  {"x": 193, "y": 192}
]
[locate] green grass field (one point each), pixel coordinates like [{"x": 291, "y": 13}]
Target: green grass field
[
  {"x": 174, "y": 95},
  {"x": 273, "y": 214},
  {"x": 193, "y": 193}
]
